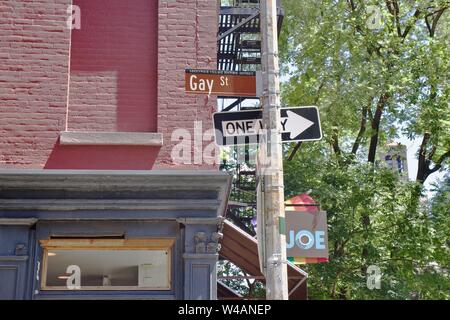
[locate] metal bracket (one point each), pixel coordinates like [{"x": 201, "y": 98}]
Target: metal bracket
[
  {"x": 275, "y": 260},
  {"x": 275, "y": 73},
  {"x": 265, "y": 93},
  {"x": 275, "y": 54},
  {"x": 297, "y": 285},
  {"x": 296, "y": 148},
  {"x": 21, "y": 250}
]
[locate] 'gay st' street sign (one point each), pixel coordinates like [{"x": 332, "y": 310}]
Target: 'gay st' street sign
[
  {"x": 221, "y": 83},
  {"x": 245, "y": 127}
]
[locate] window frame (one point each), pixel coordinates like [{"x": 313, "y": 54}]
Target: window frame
[{"x": 146, "y": 244}]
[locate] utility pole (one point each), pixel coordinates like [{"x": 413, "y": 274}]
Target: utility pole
[{"x": 271, "y": 150}]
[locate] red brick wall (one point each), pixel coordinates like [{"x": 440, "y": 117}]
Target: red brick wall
[
  {"x": 34, "y": 50},
  {"x": 109, "y": 95},
  {"x": 187, "y": 39},
  {"x": 113, "y": 67}
]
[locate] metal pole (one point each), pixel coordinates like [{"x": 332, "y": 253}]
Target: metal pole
[{"x": 273, "y": 210}]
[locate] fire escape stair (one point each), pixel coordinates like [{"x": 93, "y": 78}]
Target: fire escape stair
[
  {"x": 239, "y": 49},
  {"x": 240, "y": 248}
]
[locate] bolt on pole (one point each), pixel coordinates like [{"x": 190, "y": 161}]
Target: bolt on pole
[{"x": 273, "y": 210}]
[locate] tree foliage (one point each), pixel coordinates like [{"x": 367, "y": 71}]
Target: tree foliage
[
  {"x": 372, "y": 82},
  {"x": 406, "y": 240},
  {"x": 377, "y": 70}
]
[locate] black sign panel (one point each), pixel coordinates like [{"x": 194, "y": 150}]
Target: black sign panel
[{"x": 245, "y": 127}]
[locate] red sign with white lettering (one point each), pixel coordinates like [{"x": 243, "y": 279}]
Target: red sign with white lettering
[{"x": 221, "y": 83}]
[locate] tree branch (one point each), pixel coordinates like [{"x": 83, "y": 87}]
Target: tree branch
[
  {"x": 322, "y": 84},
  {"x": 409, "y": 27},
  {"x": 432, "y": 27},
  {"x": 370, "y": 114},
  {"x": 376, "y": 126},
  {"x": 394, "y": 10},
  {"x": 422, "y": 165},
  {"x": 335, "y": 142},
  {"x": 438, "y": 164},
  {"x": 353, "y": 8},
  {"x": 397, "y": 18},
  {"x": 352, "y": 4},
  {"x": 432, "y": 152},
  {"x": 428, "y": 24},
  {"x": 362, "y": 130},
  {"x": 435, "y": 21}
]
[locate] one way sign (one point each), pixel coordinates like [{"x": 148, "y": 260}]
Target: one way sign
[{"x": 245, "y": 127}]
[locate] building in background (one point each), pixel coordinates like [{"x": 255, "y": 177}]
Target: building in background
[{"x": 394, "y": 156}]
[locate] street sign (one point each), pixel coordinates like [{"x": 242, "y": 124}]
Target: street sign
[
  {"x": 307, "y": 235},
  {"x": 245, "y": 127},
  {"x": 221, "y": 83}
]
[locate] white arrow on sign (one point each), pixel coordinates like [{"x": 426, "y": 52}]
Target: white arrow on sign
[{"x": 295, "y": 124}]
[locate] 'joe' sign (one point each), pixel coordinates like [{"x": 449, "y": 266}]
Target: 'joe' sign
[{"x": 306, "y": 234}]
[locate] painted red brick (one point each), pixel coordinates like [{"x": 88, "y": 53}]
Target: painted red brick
[
  {"x": 106, "y": 94},
  {"x": 113, "y": 67},
  {"x": 187, "y": 38},
  {"x": 34, "y": 49}
]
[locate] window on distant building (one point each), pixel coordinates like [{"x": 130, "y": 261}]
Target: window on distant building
[
  {"x": 400, "y": 164},
  {"x": 389, "y": 161}
]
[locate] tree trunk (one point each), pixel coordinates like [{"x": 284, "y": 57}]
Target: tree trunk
[
  {"x": 335, "y": 143},
  {"x": 362, "y": 128},
  {"x": 376, "y": 127},
  {"x": 422, "y": 170}
]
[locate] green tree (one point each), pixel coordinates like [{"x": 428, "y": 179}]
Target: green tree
[
  {"x": 377, "y": 70},
  {"x": 372, "y": 82},
  {"x": 407, "y": 242}
]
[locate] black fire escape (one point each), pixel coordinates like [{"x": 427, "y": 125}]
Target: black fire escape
[{"x": 239, "y": 49}]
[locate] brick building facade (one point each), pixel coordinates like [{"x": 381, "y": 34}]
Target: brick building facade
[
  {"x": 121, "y": 72},
  {"x": 86, "y": 140}
]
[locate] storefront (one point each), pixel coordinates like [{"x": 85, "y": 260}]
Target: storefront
[{"x": 110, "y": 234}]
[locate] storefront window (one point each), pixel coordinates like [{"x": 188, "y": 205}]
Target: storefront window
[{"x": 89, "y": 264}]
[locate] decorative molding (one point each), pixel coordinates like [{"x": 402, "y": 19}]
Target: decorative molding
[
  {"x": 16, "y": 269},
  {"x": 21, "y": 249},
  {"x": 200, "y": 239},
  {"x": 205, "y": 191},
  {"x": 102, "y": 204},
  {"x": 188, "y": 178},
  {"x": 207, "y": 256},
  {"x": 214, "y": 246},
  {"x": 18, "y": 222},
  {"x": 203, "y": 221},
  {"x": 111, "y": 138},
  {"x": 205, "y": 244},
  {"x": 13, "y": 258}
]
